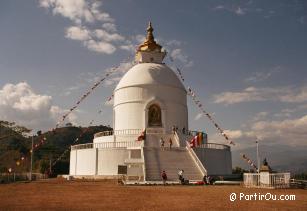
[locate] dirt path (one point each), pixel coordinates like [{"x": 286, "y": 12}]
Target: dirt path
[{"x": 73, "y": 195}]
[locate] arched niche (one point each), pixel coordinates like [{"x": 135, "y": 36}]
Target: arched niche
[{"x": 154, "y": 116}]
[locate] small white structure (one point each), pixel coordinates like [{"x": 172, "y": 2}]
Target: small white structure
[
  {"x": 266, "y": 180},
  {"x": 149, "y": 97}
]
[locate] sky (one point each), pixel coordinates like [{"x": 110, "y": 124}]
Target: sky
[{"x": 245, "y": 60}]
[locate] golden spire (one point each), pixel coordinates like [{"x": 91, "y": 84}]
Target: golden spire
[{"x": 150, "y": 43}]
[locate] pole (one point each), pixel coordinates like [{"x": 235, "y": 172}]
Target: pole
[
  {"x": 258, "y": 160},
  {"x": 31, "y": 160},
  {"x": 50, "y": 165}
]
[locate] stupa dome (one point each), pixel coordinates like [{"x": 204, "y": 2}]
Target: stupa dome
[{"x": 150, "y": 74}]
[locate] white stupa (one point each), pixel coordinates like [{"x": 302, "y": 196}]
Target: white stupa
[{"x": 149, "y": 97}]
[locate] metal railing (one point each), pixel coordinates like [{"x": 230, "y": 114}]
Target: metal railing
[
  {"x": 196, "y": 159},
  {"x": 119, "y": 132},
  {"x": 182, "y": 138},
  {"x": 214, "y": 146},
  {"x": 267, "y": 180},
  {"x": 105, "y": 145},
  {"x": 20, "y": 176}
]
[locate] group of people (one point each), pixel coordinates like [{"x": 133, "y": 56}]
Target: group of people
[
  {"x": 180, "y": 177},
  {"x": 162, "y": 143},
  {"x": 175, "y": 129},
  {"x": 207, "y": 180}
]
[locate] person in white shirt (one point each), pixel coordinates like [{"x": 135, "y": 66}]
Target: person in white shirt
[{"x": 180, "y": 175}]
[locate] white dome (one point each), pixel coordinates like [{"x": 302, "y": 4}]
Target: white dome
[{"x": 150, "y": 74}]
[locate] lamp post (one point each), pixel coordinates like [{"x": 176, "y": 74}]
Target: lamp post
[
  {"x": 31, "y": 165},
  {"x": 258, "y": 160}
]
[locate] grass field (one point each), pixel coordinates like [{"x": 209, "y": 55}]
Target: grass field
[{"x": 105, "y": 195}]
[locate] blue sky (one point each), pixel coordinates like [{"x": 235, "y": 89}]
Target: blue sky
[{"x": 246, "y": 60}]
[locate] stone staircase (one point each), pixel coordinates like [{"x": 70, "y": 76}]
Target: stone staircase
[{"x": 157, "y": 160}]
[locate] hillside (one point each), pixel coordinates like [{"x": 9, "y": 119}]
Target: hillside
[{"x": 14, "y": 145}]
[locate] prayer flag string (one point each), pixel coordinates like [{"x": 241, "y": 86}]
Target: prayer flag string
[
  {"x": 249, "y": 161},
  {"x": 80, "y": 135},
  {"x": 200, "y": 106},
  {"x": 83, "y": 97}
]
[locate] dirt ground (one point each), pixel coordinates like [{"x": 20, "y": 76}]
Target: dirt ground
[{"x": 89, "y": 195}]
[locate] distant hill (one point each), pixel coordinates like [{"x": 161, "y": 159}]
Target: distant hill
[
  {"x": 14, "y": 145},
  {"x": 280, "y": 157}
]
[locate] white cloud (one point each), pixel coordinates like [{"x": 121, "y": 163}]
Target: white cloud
[
  {"x": 68, "y": 91},
  {"x": 100, "y": 46},
  {"x": 90, "y": 78},
  {"x": 177, "y": 54},
  {"x": 174, "y": 43},
  {"x": 219, "y": 7},
  {"x": 302, "y": 19},
  {"x": 261, "y": 76},
  {"x": 86, "y": 15},
  {"x": 75, "y": 10},
  {"x": 104, "y": 35},
  {"x": 252, "y": 94},
  {"x": 82, "y": 12},
  {"x": 109, "y": 103},
  {"x": 139, "y": 38},
  {"x": 198, "y": 116},
  {"x": 115, "y": 78},
  {"x": 109, "y": 27},
  {"x": 234, "y": 134},
  {"x": 101, "y": 16},
  {"x": 287, "y": 131},
  {"x": 260, "y": 115},
  {"x": 128, "y": 47},
  {"x": 237, "y": 10},
  {"x": 240, "y": 11},
  {"x": 77, "y": 33},
  {"x": 19, "y": 103},
  {"x": 291, "y": 132},
  {"x": 258, "y": 76}
]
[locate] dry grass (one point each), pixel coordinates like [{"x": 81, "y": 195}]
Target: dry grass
[{"x": 78, "y": 195}]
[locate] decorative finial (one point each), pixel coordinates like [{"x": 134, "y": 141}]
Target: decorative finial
[
  {"x": 149, "y": 50},
  {"x": 149, "y": 28},
  {"x": 149, "y": 43},
  {"x": 150, "y": 38}
]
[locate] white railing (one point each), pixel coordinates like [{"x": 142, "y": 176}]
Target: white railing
[
  {"x": 104, "y": 145},
  {"x": 267, "y": 180},
  {"x": 196, "y": 159},
  {"x": 182, "y": 138},
  {"x": 177, "y": 139},
  {"x": 119, "y": 132},
  {"x": 82, "y": 146},
  {"x": 104, "y": 133},
  {"x": 214, "y": 146}
]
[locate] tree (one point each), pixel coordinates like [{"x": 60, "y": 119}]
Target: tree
[
  {"x": 43, "y": 166},
  {"x": 68, "y": 124}
]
